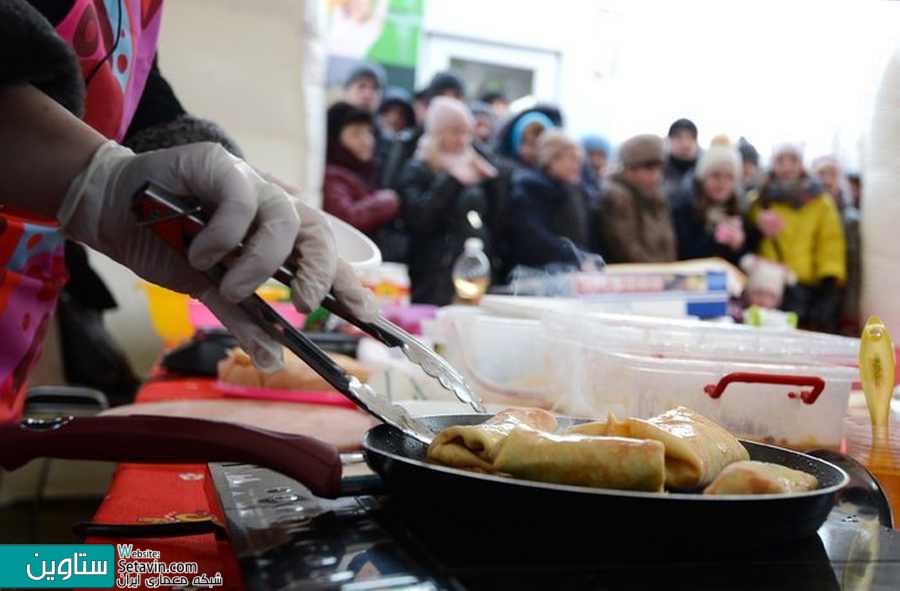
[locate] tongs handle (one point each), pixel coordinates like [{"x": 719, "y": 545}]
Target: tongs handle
[
  {"x": 176, "y": 219},
  {"x": 177, "y": 229},
  {"x": 177, "y": 222}
]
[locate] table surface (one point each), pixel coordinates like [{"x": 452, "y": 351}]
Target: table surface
[
  {"x": 881, "y": 455},
  {"x": 171, "y": 492}
]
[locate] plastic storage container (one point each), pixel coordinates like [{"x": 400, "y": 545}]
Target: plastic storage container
[
  {"x": 798, "y": 406},
  {"x": 690, "y": 338},
  {"x": 502, "y": 359}
]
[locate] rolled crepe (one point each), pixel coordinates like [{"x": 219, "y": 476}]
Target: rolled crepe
[
  {"x": 697, "y": 449},
  {"x": 760, "y": 478},
  {"x": 583, "y": 460},
  {"x": 239, "y": 370},
  {"x": 473, "y": 447},
  {"x": 611, "y": 427}
]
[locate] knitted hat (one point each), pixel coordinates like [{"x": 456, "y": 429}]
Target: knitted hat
[
  {"x": 767, "y": 276},
  {"x": 719, "y": 157},
  {"x": 446, "y": 81},
  {"x": 748, "y": 152},
  {"x": 367, "y": 70},
  {"x": 482, "y": 108},
  {"x": 795, "y": 148},
  {"x": 444, "y": 112},
  {"x": 642, "y": 149},
  {"x": 551, "y": 144},
  {"x": 523, "y": 123},
  {"x": 683, "y": 125},
  {"x": 395, "y": 96},
  {"x": 828, "y": 160},
  {"x": 596, "y": 143}
]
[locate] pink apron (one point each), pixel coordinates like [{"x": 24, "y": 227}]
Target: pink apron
[{"x": 32, "y": 268}]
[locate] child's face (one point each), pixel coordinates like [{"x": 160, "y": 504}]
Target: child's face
[
  {"x": 763, "y": 299},
  {"x": 787, "y": 167}
]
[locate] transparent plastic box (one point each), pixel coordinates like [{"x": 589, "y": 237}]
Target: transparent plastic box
[
  {"x": 502, "y": 359},
  {"x": 797, "y": 406},
  {"x": 637, "y": 366},
  {"x": 692, "y": 338}
]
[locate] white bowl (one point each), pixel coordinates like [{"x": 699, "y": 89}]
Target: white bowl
[{"x": 353, "y": 246}]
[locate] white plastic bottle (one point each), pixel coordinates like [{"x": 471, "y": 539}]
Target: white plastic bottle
[{"x": 471, "y": 272}]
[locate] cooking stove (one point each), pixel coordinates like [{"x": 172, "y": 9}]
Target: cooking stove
[{"x": 286, "y": 539}]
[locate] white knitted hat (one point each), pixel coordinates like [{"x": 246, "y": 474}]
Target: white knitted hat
[{"x": 719, "y": 157}]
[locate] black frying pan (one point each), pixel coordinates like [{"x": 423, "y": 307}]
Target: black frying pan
[
  {"x": 440, "y": 497},
  {"x": 459, "y": 497}
]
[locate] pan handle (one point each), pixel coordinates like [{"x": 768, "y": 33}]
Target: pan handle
[
  {"x": 172, "y": 440},
  {"x": 807, "y": 396}
]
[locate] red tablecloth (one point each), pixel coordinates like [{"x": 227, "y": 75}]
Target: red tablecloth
[{"x": 142, "y": 492}]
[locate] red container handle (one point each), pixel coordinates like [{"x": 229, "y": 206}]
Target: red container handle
[{"x": 807, "y": 396}]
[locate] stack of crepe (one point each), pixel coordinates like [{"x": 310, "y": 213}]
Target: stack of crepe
[{"x": 679, "y": 450}]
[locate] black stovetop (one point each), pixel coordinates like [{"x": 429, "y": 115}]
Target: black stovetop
[{"x": 286, "y": 539}]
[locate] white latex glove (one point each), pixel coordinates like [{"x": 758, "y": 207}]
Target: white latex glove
[{"x": 272, "y": 226}]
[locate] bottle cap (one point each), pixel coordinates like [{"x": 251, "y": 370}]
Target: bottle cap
[{"x": 473, "y": 244}]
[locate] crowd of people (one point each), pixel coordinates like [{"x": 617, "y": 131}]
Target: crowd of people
[{"x": 423, "y": 173}]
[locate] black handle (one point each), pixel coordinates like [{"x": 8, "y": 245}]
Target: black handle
[{"x": 177, "y": 219}]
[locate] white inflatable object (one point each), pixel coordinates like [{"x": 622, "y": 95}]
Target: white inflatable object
[{"x": 881, "y": 204}]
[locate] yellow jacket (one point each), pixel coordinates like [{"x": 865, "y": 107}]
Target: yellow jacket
[{"x": 812, "y": 242}]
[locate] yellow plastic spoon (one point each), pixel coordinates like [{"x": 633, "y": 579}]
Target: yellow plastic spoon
[{"x": 876, "y": 370}]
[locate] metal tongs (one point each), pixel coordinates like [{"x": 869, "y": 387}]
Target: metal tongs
[{"x": 176, "y": 219}]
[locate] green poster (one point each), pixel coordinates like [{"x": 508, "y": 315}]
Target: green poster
[{"x": 398, "y": 44}]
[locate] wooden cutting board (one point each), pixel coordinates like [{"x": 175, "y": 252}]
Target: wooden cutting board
[{"x": 341, "y": 427}]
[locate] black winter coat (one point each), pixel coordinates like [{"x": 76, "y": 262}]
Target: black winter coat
[
  {"x": 440, "y": 213},
  {"x": 695, "y": 240},
  {"x": 549, "y": 221}
]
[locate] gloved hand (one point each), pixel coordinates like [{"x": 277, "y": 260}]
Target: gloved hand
[{"x": 273, "y": 227}]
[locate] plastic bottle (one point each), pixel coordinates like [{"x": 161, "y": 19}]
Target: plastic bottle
[{"x": 471, "y": 272}]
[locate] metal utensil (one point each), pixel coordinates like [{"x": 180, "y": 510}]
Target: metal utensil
[
  {"x": 176, "y": 220},
  {"x": 171, "y": 208}
]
